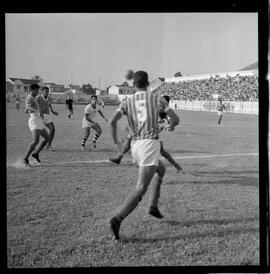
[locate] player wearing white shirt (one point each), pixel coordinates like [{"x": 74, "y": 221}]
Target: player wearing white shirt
[
  {"x": 89, "y": 122},
  {"x": 220, "y": 108},
  {"x": 36, "y": 126}
]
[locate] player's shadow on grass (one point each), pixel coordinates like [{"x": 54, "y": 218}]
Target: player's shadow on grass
[
  {"x": 214, "y": 222},
  {"x": 174, "y": 151},
  {"x": 67, "y": 150},
  {"x": 87, "y": 150},
  {"x": 240, "y": 180},
  {"x": 225, "y": 173},
  {"x": 215, "y": 232}
]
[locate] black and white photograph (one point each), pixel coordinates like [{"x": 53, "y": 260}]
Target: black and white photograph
[{"x": 132, "y": 139}]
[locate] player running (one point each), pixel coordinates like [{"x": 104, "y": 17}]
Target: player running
[
  {"x": 163, "y": 119},
  {"x": 69, "y": 106},
  {"x": 35, "y": 125},
  {"x": 220, "y": 108},
  {"x": 142, "y": 109},
  {"x": 45, "y": 106},
  {"x": 89, "y": 122}
]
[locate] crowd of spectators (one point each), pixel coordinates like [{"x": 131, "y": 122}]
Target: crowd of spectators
[{"x": 231, "y": 88}]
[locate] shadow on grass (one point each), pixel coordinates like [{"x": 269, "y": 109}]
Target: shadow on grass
[
  {"x": 240, "y": 180},
  {"x": 214, "y": 222},
  {"x": 174, "y": 151},
  {"x": 86, "y": 150},
  {"x": 213, "y": 233},
  {"x": 198, "y": 164},
  {"x": 225, "y": 173}
]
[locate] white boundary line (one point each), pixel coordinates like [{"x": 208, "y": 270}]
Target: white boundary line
[
  {"x": 175, "y": 157},
  {"x": 130, "y": 160}
]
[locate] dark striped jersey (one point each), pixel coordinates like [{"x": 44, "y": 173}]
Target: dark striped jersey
[
  {"x": 44, "y": 104},
  {"x": 142, "y": 110},
  {"x": 31, "y": 102},
  {"x": 220, "y": 106}
]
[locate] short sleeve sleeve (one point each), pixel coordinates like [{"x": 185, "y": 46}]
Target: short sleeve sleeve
[{"x": 87, "y": 109}]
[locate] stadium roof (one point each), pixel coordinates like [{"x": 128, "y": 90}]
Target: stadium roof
[
  {"x": 250, "y": 67},
  {"x": 25, "y": 81}
]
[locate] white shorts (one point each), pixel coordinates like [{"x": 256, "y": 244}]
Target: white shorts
[
  {"x": 47, "y": 119},
  {"x": 220, "y": 112},
  {"x": 35, "y": 122},
  {"x": 86, "y": 123},
  {"x": 145, "y": 152}
]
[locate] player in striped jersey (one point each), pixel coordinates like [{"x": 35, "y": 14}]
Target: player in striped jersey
[
  {"x": 142, "y": 110},
  {"x": 35, "y": 124},
  {"x": 45, "y": 106},
  {"x": 163, "y": 119}
]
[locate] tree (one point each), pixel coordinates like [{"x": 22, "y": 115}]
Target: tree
[
  {"x": 37, "y": 77},
  {"x": 88, "y": 89},
  {"x": 178, "y": 74},
  {"x": 125, "y": 84}
]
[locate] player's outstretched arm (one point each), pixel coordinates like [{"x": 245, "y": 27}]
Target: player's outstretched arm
[
  {"x": 102, "y": 115},
  {"x": 53, "y": 112}
]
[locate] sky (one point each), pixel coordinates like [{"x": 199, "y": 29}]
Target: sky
[{"x": 98, "y": 48}]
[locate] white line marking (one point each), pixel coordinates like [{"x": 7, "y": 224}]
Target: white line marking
[{"x": 175, "y": 157}]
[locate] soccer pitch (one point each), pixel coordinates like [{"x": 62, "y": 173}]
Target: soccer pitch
[{"x": 57, "y": 211}]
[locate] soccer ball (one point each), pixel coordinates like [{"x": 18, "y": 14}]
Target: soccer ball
[{"x": 129, "y": 74}]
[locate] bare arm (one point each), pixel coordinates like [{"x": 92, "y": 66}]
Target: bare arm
[
  {"x": 54, "y": 112},
  {"x": 101, "y": 114},
  {"x": 113, "y": 123}
]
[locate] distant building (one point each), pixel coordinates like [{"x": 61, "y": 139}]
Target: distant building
[
  {"x": 55, "y": 87},
  {"x": 121, "y": 90},
  {"x": 100, "y": 92},
  {"x": 9, "y": 86},
  {"x": 76, "y": 87},
  {"x": 22, "y": 86}
]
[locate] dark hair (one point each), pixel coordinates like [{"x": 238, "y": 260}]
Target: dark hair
[
  {"x": 34, "y": 86},
  {"x": 166, "y": 97},
  {"x": 45, "y": 88},
  {"x": 140, "y": 79},
  {"x": 93, "y": 96},
  {"x": 162, "y": 115}
]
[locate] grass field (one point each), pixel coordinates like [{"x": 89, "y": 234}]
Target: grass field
[{"x": 57, "y": 211}]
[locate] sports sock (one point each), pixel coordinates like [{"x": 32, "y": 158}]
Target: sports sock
[
  {"x": 83, "y": 141},
  {"x": 96, "y": 137}
]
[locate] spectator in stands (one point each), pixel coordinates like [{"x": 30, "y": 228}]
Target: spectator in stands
[{"x": 230, "y": 88}]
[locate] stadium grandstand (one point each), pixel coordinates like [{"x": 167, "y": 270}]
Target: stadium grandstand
[{"x": 238, "y": 89}]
